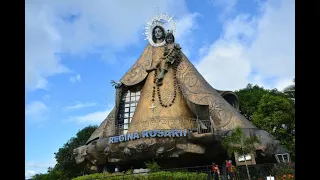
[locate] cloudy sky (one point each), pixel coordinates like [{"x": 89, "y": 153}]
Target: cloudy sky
[{"x": 74, "y": 48}]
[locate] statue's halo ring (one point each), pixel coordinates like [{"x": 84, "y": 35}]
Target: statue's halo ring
[{"x": 163, "y": 20}]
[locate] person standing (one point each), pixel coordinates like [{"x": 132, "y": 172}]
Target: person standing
[
  {"x": 229, "y": 169},
  {"x": 216, "y": 171}
]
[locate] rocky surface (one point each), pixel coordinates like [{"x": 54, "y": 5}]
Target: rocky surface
[{"x": 101, "y": 151}]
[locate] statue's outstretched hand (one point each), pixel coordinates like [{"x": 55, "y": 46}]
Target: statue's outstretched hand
[{"x": 116, "y": 84}]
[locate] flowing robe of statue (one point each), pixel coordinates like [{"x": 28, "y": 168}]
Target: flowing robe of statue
[
  {"x": 195, "y": 99},
  {"x": 173, "y": 95}
]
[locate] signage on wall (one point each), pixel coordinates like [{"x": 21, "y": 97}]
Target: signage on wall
[{"x": 148, "y": 134}]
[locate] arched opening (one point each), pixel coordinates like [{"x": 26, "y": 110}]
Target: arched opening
[{"x": 232, "y": 99}]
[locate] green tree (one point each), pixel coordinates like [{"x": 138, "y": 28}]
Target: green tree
[
  {"x": 249, "y": 97},
  {"x": 49, "y": 169},
  {"x": 238, "y": 142},
  {"x": 276, "y": 115},
  {"x": 65, "y": 158},
  {"x": 39, "y": 177},
  {"x": 66, "y": 165}
]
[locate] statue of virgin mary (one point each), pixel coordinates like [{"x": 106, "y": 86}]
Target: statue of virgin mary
[
  {"x": 162, "y": 91},
  {"x": 142, "y": 104}
]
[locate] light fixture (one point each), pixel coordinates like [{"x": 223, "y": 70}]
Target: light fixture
[{"x": 241, "y": 158}]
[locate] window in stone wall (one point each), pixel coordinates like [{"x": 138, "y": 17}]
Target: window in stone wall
[{"x": 127, "y": 108}]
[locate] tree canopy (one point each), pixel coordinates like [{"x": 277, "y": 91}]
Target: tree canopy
[
  {"x": 272, "y": 111},
  {"x": 276, "y": 115},
  {"x": 249, "y": 97},
  {"x": 238, "y": 142}
]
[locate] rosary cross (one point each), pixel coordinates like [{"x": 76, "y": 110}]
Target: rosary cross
[{"x": 152, "y": 108}]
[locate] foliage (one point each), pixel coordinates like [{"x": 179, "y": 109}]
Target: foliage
[
  {"x": 249, "y": 97},
  {"x": 39, "y": 177},
  {"x": 154, "y": 176},
  {"x": 129, "y": 171},
  {"x": 66, "y": 167},
  {"x": 272, "y": 111},
  {"x": 66, "y": 159},
  {"x": 284, "y": 171},
  {"x": 153, "y": 166},
  {"x": 238, "y": 142},
  {"x": 276, "y": 115},
  {"x": 53, "y": 173}
]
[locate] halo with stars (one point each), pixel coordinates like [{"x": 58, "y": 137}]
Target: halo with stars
[{"x": 163, "y": 20}]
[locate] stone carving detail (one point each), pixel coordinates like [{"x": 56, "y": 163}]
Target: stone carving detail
[
  {"x": 166, "y": 95},
  {"x": 127, "y": 151},
  {"x": 108, "y": 151},
  {"x": 141, "y": 147},
  {"x": 138, "y": 71},
  {"x": 190, "y": 79},
  {"x": 197, "y": 90},
  {"x": 171, "y": 122}
]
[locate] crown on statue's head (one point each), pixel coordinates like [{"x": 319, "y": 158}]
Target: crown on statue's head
[
  {"x": 158, "y": 23},
  {"x": 163, "y": 20},
  {"x": 170, "y": 31}
]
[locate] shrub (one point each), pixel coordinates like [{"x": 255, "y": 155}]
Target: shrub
[
  {"x": 154, "y": 176},
  {"x": 153, "y": 166},
  {"x": 284, "y": 171},
  {"x": 129, "y": 171}
]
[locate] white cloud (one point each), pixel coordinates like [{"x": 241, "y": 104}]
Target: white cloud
[
  {"x": 227, "y": 6},
  {"x": 78, "y": 105},
  {"x": 264, "y": 43},
  {"x": 36, "y": 111},
  {"x": 76, "y": 78},
  {"x": 30, "y": 173},
  {"x": 36, "y": 167},
  {"x": 42, "y": 42},
  {"x": 283, "y": 83},
  {"x": 224, "y": 66},
  {"x": 92, "y": 118},
  {"x": 46, "y": 97},
  {"x": 80, "y": 27},
  {"x": 185, "y": 26}
]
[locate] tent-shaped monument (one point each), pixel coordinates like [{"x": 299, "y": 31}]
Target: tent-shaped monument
[{"x": 166, "y": 111}]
